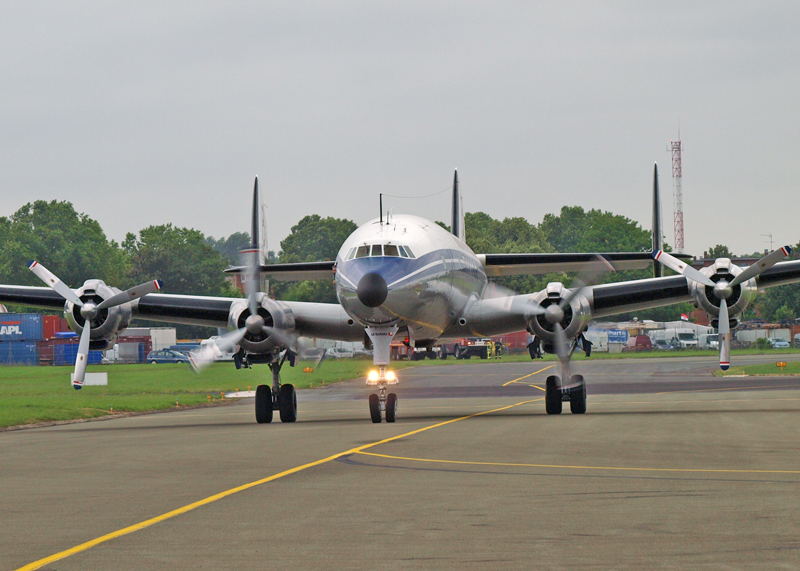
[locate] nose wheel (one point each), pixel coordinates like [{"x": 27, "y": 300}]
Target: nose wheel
[{"x": 382, "y": 405}]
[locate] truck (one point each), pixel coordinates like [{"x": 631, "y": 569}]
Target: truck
[{"x": 678, "y": 337}]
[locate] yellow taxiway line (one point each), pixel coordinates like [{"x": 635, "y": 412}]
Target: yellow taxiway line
[
  {"x": 568, "y": 467},
  {"x": 529, "y": 375},
  {"x": 187, "y": 508}
]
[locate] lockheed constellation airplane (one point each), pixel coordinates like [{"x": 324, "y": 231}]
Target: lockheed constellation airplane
[{"x": 406, "y": 275}]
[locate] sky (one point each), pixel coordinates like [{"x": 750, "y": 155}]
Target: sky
[{"x": 150, "y": 113}]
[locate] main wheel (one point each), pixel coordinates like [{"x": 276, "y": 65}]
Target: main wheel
[
  {"x": 577, "y": 396},
  {"x": 443, "y": 354},
  {"x": 287, "y": 402},
  {"x": 263, "y": 404},
  {"x": 391, "y": 407},
  {"x": 375, "y": 408},
  {"x": 552, "y": 396}
]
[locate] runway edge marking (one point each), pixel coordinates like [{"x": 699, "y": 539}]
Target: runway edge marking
[{"x": 211, "y": 499}]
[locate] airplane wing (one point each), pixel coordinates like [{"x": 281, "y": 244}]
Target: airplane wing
[
  {"x": 326, "y": 320},
  {"x": 494, "y": 316}
]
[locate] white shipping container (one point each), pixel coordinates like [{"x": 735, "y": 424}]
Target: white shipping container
[
  {"x": 163, "y": 337},
  {"x": 750, "y": 335}
]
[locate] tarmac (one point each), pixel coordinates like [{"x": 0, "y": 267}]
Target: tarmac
[{"x": 669, "y": 468}]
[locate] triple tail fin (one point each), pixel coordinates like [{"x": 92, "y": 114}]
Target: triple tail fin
[
  {"x": 457, "y": 226},
  {"x": 658, "y": 269}
]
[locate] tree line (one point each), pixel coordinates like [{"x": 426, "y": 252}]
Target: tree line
[{"x": 75, "y": 248}]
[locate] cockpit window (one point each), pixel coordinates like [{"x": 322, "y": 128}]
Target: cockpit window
[
  {"x": 408, "y": 251},
  {"x": 362, "y": 252},
  {"x": 390, "y": 250},
  {"x": 376, "y": 250},
  {"x": 350, "y": 254}
]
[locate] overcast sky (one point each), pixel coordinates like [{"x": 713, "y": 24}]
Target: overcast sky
[{"x": 147, "y": 113}]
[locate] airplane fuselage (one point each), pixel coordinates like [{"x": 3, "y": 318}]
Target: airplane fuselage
[{"x": 407, "y": 271}]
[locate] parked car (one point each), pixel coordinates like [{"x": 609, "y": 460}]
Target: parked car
[
  {"x": 166, "y": 356},
  {"x": 662, "y": 345},
  {"x": 339, "y": 353},
  {"x": 778, "y": 343}
]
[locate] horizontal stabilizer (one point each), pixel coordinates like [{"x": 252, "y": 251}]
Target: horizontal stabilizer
[
  {"x": 292, "y": 272},
  {"x": 526, "y": 264}
]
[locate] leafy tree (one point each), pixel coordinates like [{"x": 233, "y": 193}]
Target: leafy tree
[
  {"x": 575, "y": 230},
  {"x": 184, "y": 261},
  {"x": 229, "y": 247},
  {"x": 719, "y": 251},
  {"x": 69, "y": 244},
  {"x": 313, "y": 239},
  {"x": 180, "y": 257}
]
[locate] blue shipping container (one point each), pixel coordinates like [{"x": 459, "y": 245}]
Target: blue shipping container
[
  {"x": 67, "y": 354},
  {"x": 20, "y": 327},
  {"x": 19, "y": 353}
]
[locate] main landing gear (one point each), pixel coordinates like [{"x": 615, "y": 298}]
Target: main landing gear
[
  {"x": 382, "y": 404},
  {"x": 556, "y": 393},
  {"x": 282, "y": 398}
]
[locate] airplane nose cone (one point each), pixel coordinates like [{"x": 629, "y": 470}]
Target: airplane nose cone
[{"x": 372, "y": 290}]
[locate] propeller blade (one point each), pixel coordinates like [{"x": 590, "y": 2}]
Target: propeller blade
[
  {"x": 83, "y": 357},
  {"x": 283, "y": 338},
  {"x": 201, "y": 358},
  {"x": 131, "y": 294},
  {"x": 764, "y": 263},
  {"x": 50, "y": 279},
  {"x": 598, "y": 267},
  {"x": 724, "y": 336},
  {"x": 675, "y": 264}
]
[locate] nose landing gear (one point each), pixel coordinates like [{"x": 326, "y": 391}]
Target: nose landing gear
[{"x": 382, "y": 404}]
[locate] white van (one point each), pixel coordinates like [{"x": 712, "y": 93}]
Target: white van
[
  {"x": 678, "y": 337},
  {"x": 708, "y": 341}
]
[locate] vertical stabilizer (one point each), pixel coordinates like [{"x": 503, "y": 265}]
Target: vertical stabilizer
[
  {"x": 254, "y": 255},
  {"x": 255, "y": 226},
  {"x": 457, "y": 227},
  {"x": 658, "y": 269}
]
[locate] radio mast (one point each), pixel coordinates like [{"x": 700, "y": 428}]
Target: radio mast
[{"x": 677, "y": 192}]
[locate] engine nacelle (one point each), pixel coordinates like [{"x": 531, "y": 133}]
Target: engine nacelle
[
  {"x": 741, "y": 295},
  {"x": 276, "y": 315},
  {"x": 577, "y": 313},
  {"x": 108, "y": 321}
]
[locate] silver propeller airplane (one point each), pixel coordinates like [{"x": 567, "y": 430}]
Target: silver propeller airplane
[{"x": 404, "y": 275}]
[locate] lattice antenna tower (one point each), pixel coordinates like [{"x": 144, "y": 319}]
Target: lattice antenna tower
[{"x": 677, "y": 193}]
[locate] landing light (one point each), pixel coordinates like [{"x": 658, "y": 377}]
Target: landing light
[
  {"x": 390, "y": 376},
  {"x": 373, "y": 375}
]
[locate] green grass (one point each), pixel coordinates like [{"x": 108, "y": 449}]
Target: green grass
[
  {"x": 42, "y": 394},
  {"x": 791, "y": 368}
]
